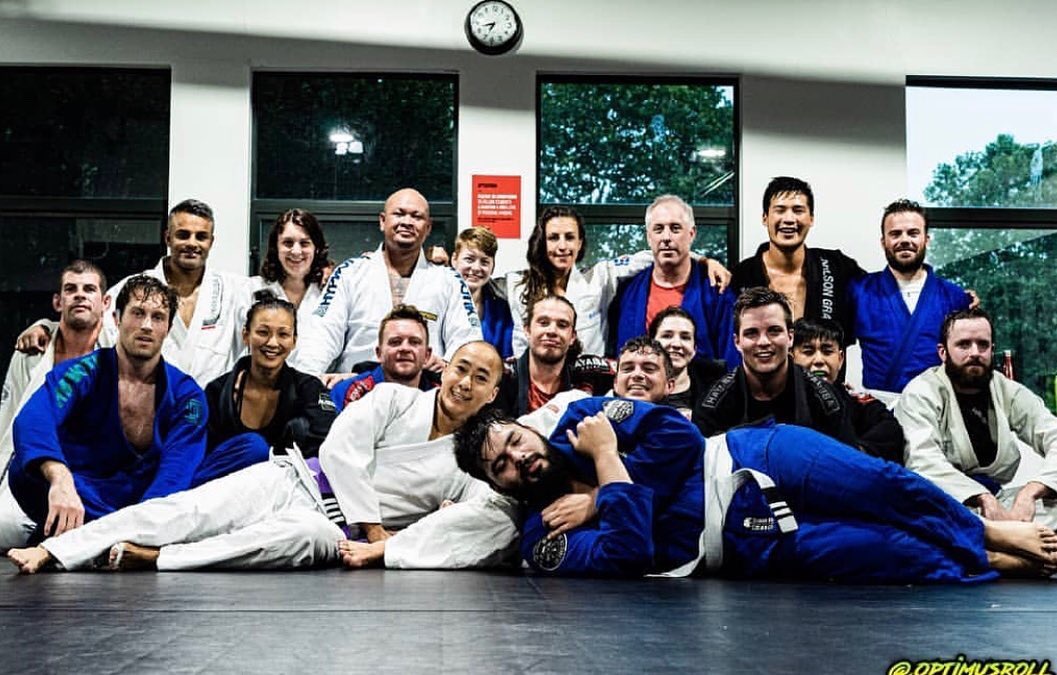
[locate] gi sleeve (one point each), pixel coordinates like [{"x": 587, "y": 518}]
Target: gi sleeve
[
  {"x": 19, "y": 373},
  {"x": 878, "y": 430},
  {"x": 620, "y": 544},
  {"x": 348, "y": 454},
  {"x": 36, "y": 427},
  {"x": 184, "y": 447},
  {"x": 606, "y": 275},
  {"x": 481, "y": 532},
  {"x": 323, "y": 337},
  {"x": 661, "y": 448},
  {"x": 461, "y": 323},
  {"x": 920, "y": 415},
  {"x": 1033, "y": 423}
]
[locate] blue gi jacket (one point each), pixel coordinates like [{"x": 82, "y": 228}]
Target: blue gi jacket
[
  {"x": 355, "y": 388},
  {"x": 73, "y": 418},
  {"x": 650, "y": 525},
  {"x": 897, "y": 346},
  {"x": 497, "y": 324}
]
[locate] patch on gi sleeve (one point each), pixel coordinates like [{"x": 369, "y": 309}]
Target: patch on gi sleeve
[
  {"x": 325, "y": 402},
  {"x": 193, "y": 412},
  {"x": 618, "y": 409},
  {"x": 548, "y": 554}
]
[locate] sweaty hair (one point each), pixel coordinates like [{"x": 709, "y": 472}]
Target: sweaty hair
[
  {"x": 470, "y": 438},
  {"x": 408, "y": 312},
  {"x": 673, "y": 310},
  {"x": 781, "y": 185},
  {"x": 960, "y": 315},
  {"x": 480, "y": 238},
  {"x": 688, "y": 211},
  {"x": 823, "y": 330},
  {"x": 541, "y": 278},
  {"x": 760, "y": 296},
  {"x": 265, "y": 299},
  {"x": 272, "y": 269},
  {"x": 644, "y": 344},
  {"x": 143, "y": 287},
  {"x": 904, "y": 206},
  {"x": 194, "y": 208},
  {"x": 84, "y": 267}
]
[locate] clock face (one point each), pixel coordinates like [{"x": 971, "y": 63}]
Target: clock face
[{"x": 493, "y": 27}]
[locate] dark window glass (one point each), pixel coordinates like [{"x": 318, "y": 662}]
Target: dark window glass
[
  {"x": 353, "y": 137},
  {"x": 84, "y": 132},
  {"x": 629, "y": 141}
]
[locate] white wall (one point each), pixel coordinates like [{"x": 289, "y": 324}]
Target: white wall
[{"x": 821, "y": 81}]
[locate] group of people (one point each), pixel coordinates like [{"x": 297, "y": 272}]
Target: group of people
[{"x": 652, "y": 414}]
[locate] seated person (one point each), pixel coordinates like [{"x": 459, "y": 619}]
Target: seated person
[
  {"x": 674, "y": 329},
  {"x": 768, "y": 383},
  {"x": 773, "y": 501},
  {"x": 386, "y": 464},
  {"x": 817, "y": 349},
  {"x": 962, "y": 421},
  {"x": 263, "y": 404},
  {"x": 116, "y": 427},
  {"x": 403, "y": 351},
  {"x": 552, "y": 363},
  {"x": 474, "y": 260}
]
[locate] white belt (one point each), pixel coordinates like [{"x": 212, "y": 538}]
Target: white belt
[{"x": 720, "y": 484}]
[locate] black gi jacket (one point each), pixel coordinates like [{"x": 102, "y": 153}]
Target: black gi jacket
[{"x": 589, "y": 373}]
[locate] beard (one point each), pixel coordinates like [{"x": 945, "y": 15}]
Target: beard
[
  {"x": 551, "y": 483},
  {"x": 906, "y": 267},
  {"x": 961, "y": 378},
  {"x": 549, "y": 356}
]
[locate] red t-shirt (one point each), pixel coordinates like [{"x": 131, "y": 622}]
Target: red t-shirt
[
  {"x": 662, "y": 298},
  {"x": 537, "y": 398}
]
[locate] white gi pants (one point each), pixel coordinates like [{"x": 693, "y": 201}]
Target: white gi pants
[
  {"x": 261, "y": 517},
  {"x": 15, "y": 526}
]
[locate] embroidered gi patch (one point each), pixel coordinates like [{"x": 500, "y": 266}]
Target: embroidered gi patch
[
  {"x": 325, "y": 402},
  {"x": 548, "y": 554},
  {"x": 618, "y": 410},
  {"x": 193, "y": 412},
  {"x": 758, "y": 524}
]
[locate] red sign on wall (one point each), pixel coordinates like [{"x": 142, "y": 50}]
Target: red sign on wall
[{"x": 497, "y": 205}]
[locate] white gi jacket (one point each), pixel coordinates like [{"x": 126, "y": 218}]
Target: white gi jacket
[
  {"x": 208, "y": 347},
  {"x": 313, "y": 294},
  {"x": 358, "y": 296},
  {"x": 938, "y": 445},
  {"x": 590, "y": 292}
]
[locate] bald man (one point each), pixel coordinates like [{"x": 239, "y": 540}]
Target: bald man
[{"x": 361, "y": 291}]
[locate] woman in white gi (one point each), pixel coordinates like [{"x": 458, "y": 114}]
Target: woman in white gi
[
  {"x": 293, "y": 268},
  {"x": 558, "y": 243}
]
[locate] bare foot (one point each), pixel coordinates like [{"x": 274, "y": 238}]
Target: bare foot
[
  {"x": 1010, "y": 565},
  {"x": 29, "y": 560},
  {"x": 126, "y": 556},
  {"x": 1021, "y": 539}
]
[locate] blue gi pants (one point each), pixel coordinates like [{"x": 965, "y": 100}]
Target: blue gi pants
[
  {"x": 234, "y": 454},
  {"x": 861, "y": 519}
]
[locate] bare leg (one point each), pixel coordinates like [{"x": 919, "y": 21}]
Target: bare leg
[
  {"x": 1026, "y": 540},
  {"x": 29, "y": 560},
  {"x": 126, "y": 556},
  {"x": 1010, "y": 565}
]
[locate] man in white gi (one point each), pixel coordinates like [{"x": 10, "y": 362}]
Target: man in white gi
[
  {"x": 962, "y": 421},
  {"x": 361, "y": 291},
  {"x": 206, "y": 335},
  {"x": 81, "y": 304},
  {"x": 388, "y": 462}
]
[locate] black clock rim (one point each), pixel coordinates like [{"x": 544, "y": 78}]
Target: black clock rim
[{"x": 496, "y": 50}]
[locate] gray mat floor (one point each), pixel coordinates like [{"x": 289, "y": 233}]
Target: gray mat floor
[{"x": 390, "y": 621}]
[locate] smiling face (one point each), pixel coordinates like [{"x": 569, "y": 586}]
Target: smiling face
[
  {"x": 763, "y": 340},
  {"x": 474, "y": 266},
  {"x": 905, "y": 241},
  {"x": 403, "y": 350},
  {"x": 676, "y": 335},
  {"x": 469, "y": 381},
  {"x": 405, "y": 221},
  {"x": 669, "y": 234},
  {"x": 967, "y": 354},
  {"x": 788, "y": 220},
  {"x": 641, "y": 376},
  {"x": 80, "y": 301},
  {"x": 296, "y": 251},
  {"x": 551, "y": 330},
  {"x": 189, "y": 238},
  {"x": 270, "y": 337},
  {"x": 563, "y": 243}
]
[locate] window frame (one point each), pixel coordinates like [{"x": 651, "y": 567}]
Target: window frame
[{"x": 609, "y": 214}]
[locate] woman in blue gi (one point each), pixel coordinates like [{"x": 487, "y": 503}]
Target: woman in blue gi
[
  {"x": 474, "y": 260},
  {"x": 774, "y": 501},
  {"x": 263, "y": 404}
]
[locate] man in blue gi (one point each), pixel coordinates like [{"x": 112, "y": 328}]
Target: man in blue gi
[
  {"x": 673, "y": 279},
  {"x": 899, "y": 310},
  {"x": 766, "y": 501},
  {"x": 113, "y": 428}
]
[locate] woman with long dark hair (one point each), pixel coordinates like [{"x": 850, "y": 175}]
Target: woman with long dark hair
[{"x": 294, "y": 264}]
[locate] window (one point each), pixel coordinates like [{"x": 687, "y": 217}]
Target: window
[
  {"x": 84, "y": 162},
  {"x": 609, "y": 146},
  {"x": 990, "y": 183},
  {"x": 338, "y": 144}
]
